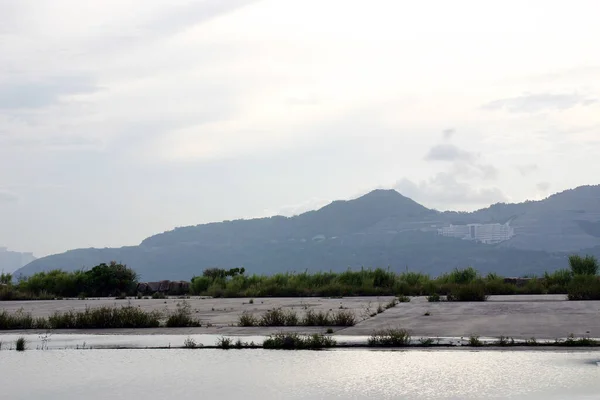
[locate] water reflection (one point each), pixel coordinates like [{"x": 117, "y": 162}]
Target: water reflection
[{"x": 261, "y": 374}]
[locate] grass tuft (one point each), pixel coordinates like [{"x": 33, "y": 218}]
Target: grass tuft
[
  {"x": 247, "y": 319},
  {"x": 390, "y": 338},
  {"x": 190, "y": 343}
]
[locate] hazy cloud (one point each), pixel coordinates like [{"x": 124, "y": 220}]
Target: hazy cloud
[
  {"x": 297, "y": 209},
  {"x": 8, "y": 197},
  {"x": 177, "y": 18},
  {"x": 448, "y": 133},
  {"x": 539, "y": 102},
  {"x": 31, "y": 95},
  {"x": 448, "y": 152},
  {"x": 52, "y": 142},
  {"x": 527, "y": 169},
  {"x": 445, "y": 191},
  {"x": 543, "y": 186}
]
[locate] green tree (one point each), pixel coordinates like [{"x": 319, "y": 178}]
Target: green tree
[
  {"x": 110, "y": 280},
  {"x": 5, "y": 279},
  {"x": 587, "y": 265}
]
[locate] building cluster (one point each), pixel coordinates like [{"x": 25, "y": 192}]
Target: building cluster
[{"x": 483, "y": 233}]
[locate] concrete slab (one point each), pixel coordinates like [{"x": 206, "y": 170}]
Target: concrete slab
[{"x": 521, "y": 317}]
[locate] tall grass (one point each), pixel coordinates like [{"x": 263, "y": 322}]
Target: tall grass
[
  {"x": 294, "y": 341},
  {"x": 105, "y": 318},
  {"x": 373, "y": 282},
  {"x": 472, "y": 291},
  {"x": 279, "y": 317},
  {"x": 21, "y": 320},
  {"x": 390, "y": 338}
]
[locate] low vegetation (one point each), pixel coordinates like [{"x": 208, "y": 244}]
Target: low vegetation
[
  {"x": 475, "y": 342},
  {"x": 458, "y": 285},
  {"x": 21, "y": 344},
  {"x": 279, "y": 317},
  {"x": 105, "y": 317},
  {"x": 190, "y": 343},
  {"x": 294, "y": 341},
  {"x": 392, "y": 337},
  {"x": 182, "y": 317},
  {"x": 579, "y": 282}
]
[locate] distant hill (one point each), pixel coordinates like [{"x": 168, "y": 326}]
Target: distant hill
[{"x": 381, "y": 228}]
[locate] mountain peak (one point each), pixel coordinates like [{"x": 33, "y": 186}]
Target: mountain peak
[{"x": 380, "y": 193}]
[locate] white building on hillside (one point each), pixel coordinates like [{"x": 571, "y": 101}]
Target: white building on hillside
[{"x": 484, "y": 233}]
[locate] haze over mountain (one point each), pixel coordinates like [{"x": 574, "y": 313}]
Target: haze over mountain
[
  {"x": 382, "y": 228},
  {"x": 10, "y": 261}
]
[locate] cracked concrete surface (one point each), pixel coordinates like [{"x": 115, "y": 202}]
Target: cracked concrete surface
[{"x": 519, "y": 316}]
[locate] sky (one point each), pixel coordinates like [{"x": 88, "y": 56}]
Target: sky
[{"x": 120, "y": 119}]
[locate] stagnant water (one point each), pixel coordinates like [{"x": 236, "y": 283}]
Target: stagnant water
[{"x": 262, "y": 374}]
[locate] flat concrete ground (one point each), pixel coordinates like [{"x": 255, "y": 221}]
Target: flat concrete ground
[{"x": 521, "y": 316}]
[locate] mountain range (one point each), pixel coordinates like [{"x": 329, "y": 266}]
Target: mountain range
[{"x": 380, "y": 229}]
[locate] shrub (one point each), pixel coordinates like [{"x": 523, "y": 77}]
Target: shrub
[
  {"x": 587, "y": 265},
  {"x": 224, "y": 343},
  {"x": 182, "y": 317},
  {"x": 584, "y": 287},
  {"x": 561, "y": 277},
  {"x": 531, "y": 342},
  {"x": 474, "y": 341},
  {"x": 200, "y": 284},
  {"x": 498, "y": 287},
  {"x": 275, "y": 317},
  {"x": 293, "y": 341},
  {"x": 158, "y": 295},
  {"x": 468, "y": 292},
  {"x": 190, "y": 343},
  {"x": 401, "y": 299},
  {"x": 434, "y": 298},
  {"x": 247, "y": 319},
  {"x": 425, "y": 342},
  {"x": 571, "y": 341},
  {"x": 503, "y": 341},
  {"x": 313, "y": 318},
  {"x": 460, "y": 276},
  {"x": 390, "y": 338},
  {"x": 21, "y": 344},
  {"x": 343, "y": 318}
]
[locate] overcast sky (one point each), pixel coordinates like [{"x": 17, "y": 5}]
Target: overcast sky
[{"x": 124, "y": 118}]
